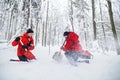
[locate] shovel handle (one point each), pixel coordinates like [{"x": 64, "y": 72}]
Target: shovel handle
[
  {"x": 63, "y": 45},
  {"x": 22, "y": 43}
]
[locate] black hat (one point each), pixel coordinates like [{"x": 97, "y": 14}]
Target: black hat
[
  {"x": 30, "y": 31},
  {"x": 66, "y": 33}
]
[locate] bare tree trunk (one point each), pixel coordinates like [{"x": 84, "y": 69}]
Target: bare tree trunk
[
  {"x": 49, "y": 40},
  {"x": 71, "y": 15},
  {"x": 113, "y": 26},
  {"x": 9, "y": 28},
  {"x": 6, "y": 33},
  {"x": 93, "y": 18},
  {"x": 28, "y": 13},
  {"x": 46, "y": 22},
  {"x": 43, "y": 30},
  {"x": 103, "y": 25},
  {"x": 84, "y": 24},
  {"x": 37, "y": 32}
]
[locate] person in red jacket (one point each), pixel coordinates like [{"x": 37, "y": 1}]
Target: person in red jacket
[
  {"x": 72, "y": 46},
  {"x": 27, "y": 44}
]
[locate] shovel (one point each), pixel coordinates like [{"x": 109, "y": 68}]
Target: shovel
[{"x": 57, "y": 55}]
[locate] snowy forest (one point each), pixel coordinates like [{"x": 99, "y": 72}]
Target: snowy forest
[{"x": 96, "y": 21}]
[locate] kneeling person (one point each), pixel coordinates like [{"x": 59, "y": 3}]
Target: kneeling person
[
  {"x": 25, "y": 43},
  {"x": 72, "y": 47}
]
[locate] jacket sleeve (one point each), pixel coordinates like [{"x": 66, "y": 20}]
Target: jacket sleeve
[
  {"x": 14, "y": 43},
  {"x": 68, "y": 45},
  {"x": 31, "y": 47}
]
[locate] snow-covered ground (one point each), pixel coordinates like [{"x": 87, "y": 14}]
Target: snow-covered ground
[{"x": 102, "y": 67}]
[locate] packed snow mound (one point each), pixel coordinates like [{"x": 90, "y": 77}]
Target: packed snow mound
[{"x": 101, "y": 67}]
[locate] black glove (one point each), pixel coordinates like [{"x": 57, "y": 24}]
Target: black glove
[
  {"x": 25, "y": 47},
  {"x": 17, "y": 38}
]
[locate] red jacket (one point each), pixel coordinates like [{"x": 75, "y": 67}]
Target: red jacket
[
  {"x": 72, "y": 43},
  {"x": 26, "y": 41}
]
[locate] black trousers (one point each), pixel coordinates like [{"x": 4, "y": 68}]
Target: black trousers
[{"x": 23, "y": 58}]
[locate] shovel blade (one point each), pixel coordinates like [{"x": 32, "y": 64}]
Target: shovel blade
[{"x": 57, "y": 56}]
